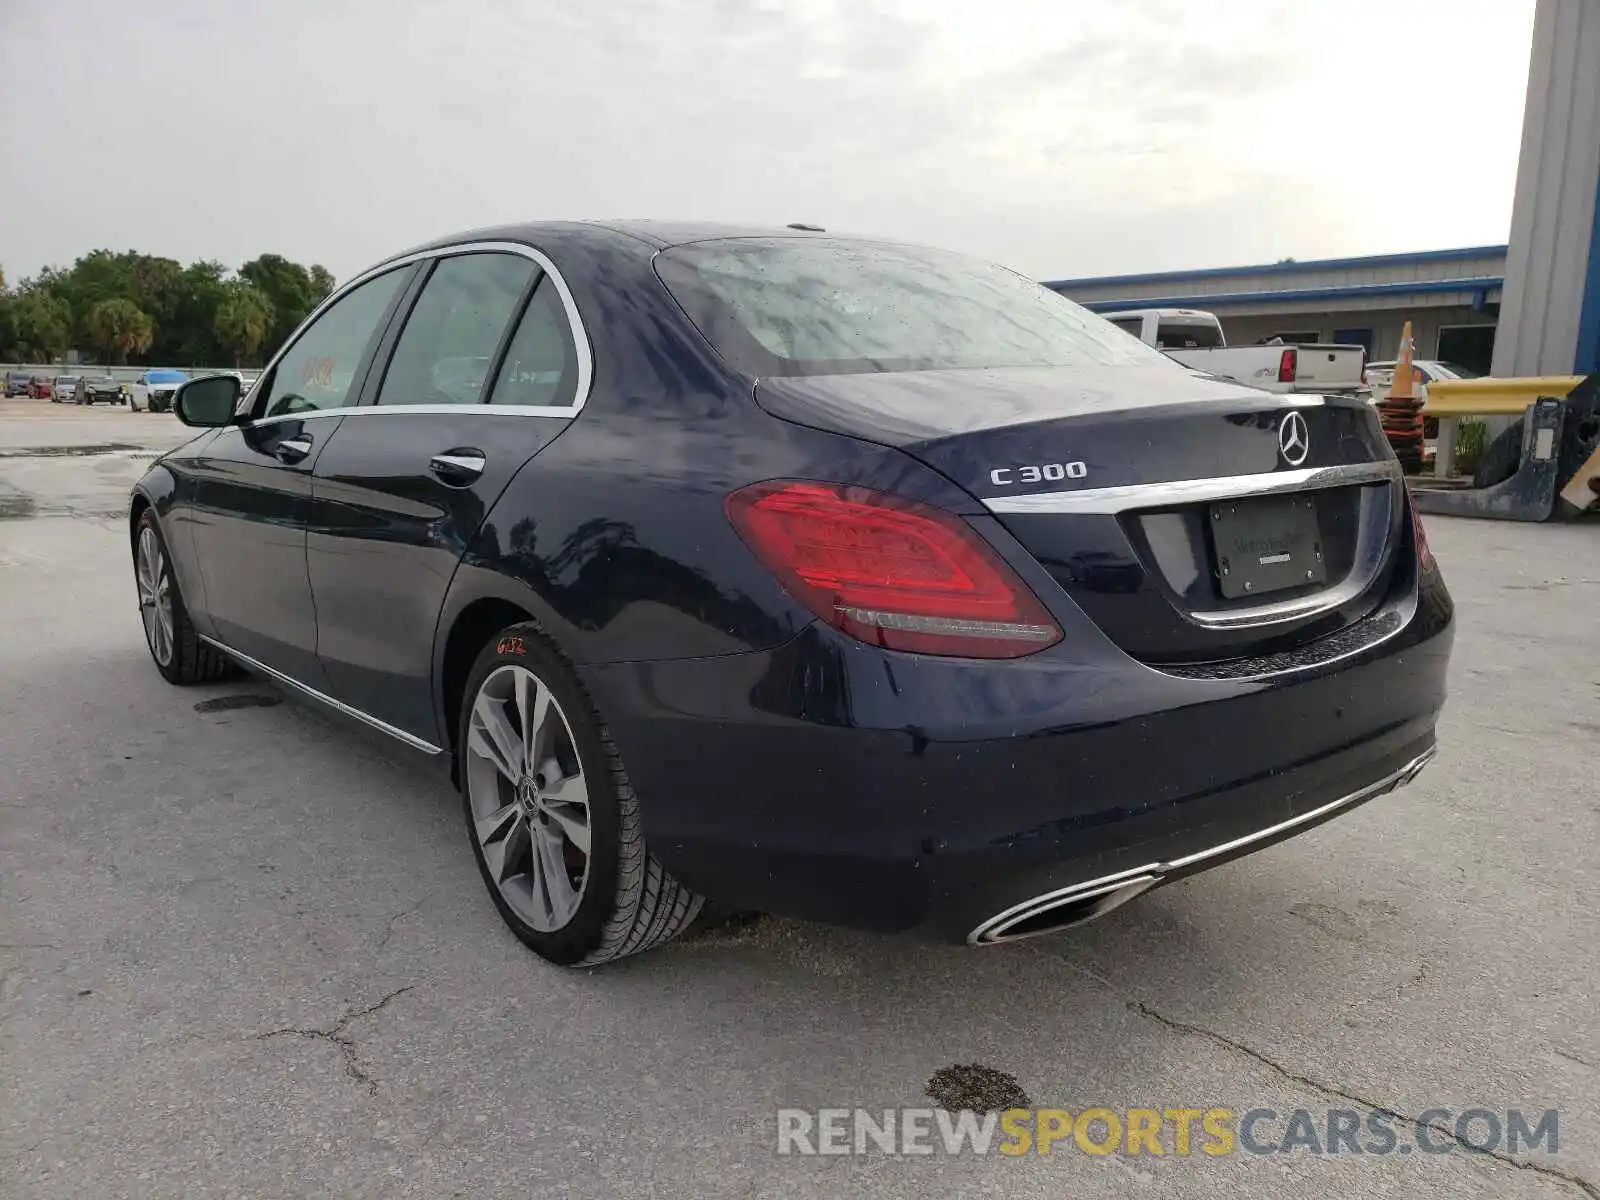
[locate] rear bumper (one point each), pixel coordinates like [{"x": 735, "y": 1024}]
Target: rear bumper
[{"x": 833, "y": 781}]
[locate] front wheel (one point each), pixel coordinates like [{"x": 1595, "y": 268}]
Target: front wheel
[
  {"x": 553, "y": 820},
  {"x": 179, "y": 654}
]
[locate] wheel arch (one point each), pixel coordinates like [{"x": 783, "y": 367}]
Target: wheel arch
[
  {"x": 137, "y": 507},
  {"x": 461, "y": 640}
]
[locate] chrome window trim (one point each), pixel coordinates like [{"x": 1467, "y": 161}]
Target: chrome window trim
[
  {"x": 580, "y": 338},
  {"x": 399, "y": 735},
  {"x": 1110, "y": 501},
  {"x": 395, "y": 410}
]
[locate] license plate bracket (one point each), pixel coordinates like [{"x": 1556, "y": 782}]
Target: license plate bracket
[{"x": 1266, "y": 544}]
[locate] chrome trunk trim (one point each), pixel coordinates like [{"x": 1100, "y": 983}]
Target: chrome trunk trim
[{"x": 1113, "y": 500}]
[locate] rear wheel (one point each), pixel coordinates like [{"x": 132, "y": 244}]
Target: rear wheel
[
  {"x": 553, "y": 820},
  {"x": 179, "y": 654}
]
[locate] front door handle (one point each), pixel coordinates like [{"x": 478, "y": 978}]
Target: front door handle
[
  {"x": 459, "y": 467},
  {"x": 292, "y": 450}
]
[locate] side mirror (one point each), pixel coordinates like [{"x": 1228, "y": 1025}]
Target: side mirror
[{"x": 207, "y": 403}]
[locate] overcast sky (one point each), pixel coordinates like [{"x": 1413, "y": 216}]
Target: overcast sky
[{"x": 1063, "y": 137}]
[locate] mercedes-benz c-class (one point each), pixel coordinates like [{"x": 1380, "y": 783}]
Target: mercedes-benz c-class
[{"x": 827, "y": 577}]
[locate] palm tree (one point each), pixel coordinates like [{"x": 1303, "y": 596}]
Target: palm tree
[
  {"x": 119, "y": 328},
  {"x": 244, "y": 318}
]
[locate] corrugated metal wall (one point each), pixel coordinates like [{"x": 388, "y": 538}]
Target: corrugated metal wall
[
  {"x": 1488, "y": 263},
  {"x": 1558, "y": 177},
  {"x": 1386, "y": 324}
]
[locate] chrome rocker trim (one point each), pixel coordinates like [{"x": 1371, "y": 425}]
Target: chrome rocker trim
[
  {"x": 1119, "y": 888},
  {"x": 400, "y": 735}
]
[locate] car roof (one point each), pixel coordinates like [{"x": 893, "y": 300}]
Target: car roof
[{"x": 657, "y": 235}]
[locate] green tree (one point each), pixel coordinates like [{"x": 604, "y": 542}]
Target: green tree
[
  {"x": 42, "y": 325},
  {"x": 243, "y": 321},
  {"x": 293, "y": 290},
  {"x": 155, "y": 285},
  {"x": 117, "y": 328},
  {"x": 322, "y": 283},
  {"x": 199, "y": 292}
]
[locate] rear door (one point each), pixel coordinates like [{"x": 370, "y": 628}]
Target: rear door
[
  {"x": 483, "y": 374},
  {"x": 252, "y": 484}
]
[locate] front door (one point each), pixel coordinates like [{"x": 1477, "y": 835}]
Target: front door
[
  {"x": 481, "y": 378},
  {"x": 252, "y": 485}
]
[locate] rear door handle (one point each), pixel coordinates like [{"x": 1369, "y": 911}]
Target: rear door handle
[
  {"x": 459, "y": 467},
  {"x": 292, "y": 450}
]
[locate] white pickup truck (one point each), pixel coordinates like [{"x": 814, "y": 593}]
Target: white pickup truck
[{"x": 1195, "y": 339}]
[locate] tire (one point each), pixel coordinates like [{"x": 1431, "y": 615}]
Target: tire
[
  {"x": 188, "y": 659},
  {"x": 1501, "y": 458},
  {"x": 625, "y": 902}
]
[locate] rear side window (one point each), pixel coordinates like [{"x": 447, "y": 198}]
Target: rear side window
[
  {"x": 319, "y": 370},
  {"x": 815, "y": 306},
  {"x": 1176, "y": 335},
  {"x": 541, "y": 366},
  {"x": 1133, "y": 325},
  {"x": 444, "y": 355}
]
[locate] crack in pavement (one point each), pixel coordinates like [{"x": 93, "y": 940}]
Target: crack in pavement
[
  {"x": 1327, "y": 1089},
  {"x": 336, "y": 1036},
  {"x": 388, "y": 926}
]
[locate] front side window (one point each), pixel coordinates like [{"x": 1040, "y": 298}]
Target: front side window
[
  {"x": 541, "y": 366},
  {"x": 445, "y": 352},
  {"x": 817, "y": 306},
  {"x": 319, "y": 370}
]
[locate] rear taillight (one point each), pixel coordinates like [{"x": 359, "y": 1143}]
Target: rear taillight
[
  {"x": 1288, "y": 364},
  {"x": 891, "y": 571}
]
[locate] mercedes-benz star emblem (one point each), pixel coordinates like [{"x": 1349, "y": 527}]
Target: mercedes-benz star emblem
[{"x": 1294, "y": 439}]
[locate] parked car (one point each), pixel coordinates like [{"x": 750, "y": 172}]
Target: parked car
[
  {"x": 153, "y": 390},
  {"x": 42, "y": 387},
  {"x": 92, "y": 389},
  {"x": 839, "y": 579},
  {"x": 63, "y": 388},
  {"x": 1195, "y": 338},
  {"x": 17, "y": 383},
  {"x": 1380, "y": 377}
]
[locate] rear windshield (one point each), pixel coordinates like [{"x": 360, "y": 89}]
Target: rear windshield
[
  {"x": 1183, "y": 335},
  {"x": 823, "y": 306}
]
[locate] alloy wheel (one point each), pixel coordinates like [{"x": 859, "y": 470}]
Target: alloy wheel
[
  {"x": 529, "y": 797},
  {"x": 155, "y": 596}
]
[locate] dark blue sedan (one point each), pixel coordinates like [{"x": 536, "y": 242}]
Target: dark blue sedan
[{"x": 835, "y": 578}]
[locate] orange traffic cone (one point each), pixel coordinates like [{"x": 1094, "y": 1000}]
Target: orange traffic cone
[{"x": 1401, "y": 412}]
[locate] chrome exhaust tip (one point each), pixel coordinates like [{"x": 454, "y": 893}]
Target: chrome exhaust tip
[
  {"x": 1055, "y": 911},
  {"x": 1084, "y": 902}
]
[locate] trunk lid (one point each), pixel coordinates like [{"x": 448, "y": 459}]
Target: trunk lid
[{"x": 1152, "y": 495}]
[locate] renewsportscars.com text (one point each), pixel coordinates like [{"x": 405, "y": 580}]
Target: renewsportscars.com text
[{"x": 1212, "y": 1132}]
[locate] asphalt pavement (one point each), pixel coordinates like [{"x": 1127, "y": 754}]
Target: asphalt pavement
[{"x": 244, "y": 950}]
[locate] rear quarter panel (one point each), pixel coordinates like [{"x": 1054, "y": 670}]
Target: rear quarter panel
[{"x": 615, "y": 536}]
